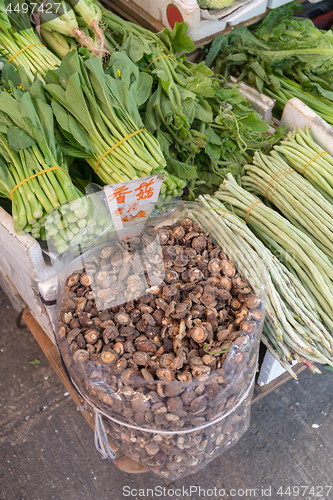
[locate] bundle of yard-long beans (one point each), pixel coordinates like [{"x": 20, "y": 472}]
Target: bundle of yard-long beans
[
  {"x": 292, "y": 246},
  {"x": 33, "y": 170},
  {"x": 292, "y": 329},
  {"x": 98, "y": 116},
  {"x": 296, "y": 198},
  {"x": 20, "y": 44},
  {"x": 309, "y": 159}
]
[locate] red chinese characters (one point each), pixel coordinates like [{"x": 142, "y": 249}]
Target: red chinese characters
[
  {"x": 119, "y": 194},
  {"x": 145, "y": 191}
]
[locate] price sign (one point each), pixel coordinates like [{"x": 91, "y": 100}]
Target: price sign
[{"x": 131, "y": 203}]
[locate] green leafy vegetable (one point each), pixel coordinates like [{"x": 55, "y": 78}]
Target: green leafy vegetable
[
  {"x": 284, "y": 56},
  {"x": 98, "y": 115},
  {"x": 20, "y": 44},
  {"x": 204, "y": 128}
]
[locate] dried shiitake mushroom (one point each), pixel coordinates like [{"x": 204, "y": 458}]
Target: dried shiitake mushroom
[{"x": 155, "y": 354}]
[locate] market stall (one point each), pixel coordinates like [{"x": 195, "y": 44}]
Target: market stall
[{"x": 170, "y": 220}]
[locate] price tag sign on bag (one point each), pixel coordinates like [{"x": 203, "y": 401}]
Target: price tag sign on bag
[{"x": 131, "y": 203}]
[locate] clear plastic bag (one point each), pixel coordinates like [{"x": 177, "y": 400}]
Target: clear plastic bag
[{"x": 177, "y": 424}]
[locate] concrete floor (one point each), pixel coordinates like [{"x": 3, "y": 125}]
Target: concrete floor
[{"x": 47, "y": 450}]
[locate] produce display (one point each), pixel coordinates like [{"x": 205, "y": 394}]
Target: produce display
[
  {"x": 304, "y": 155},
  {"x": 20, "y": 44},
  {"x": 96, "y": 112},
  {"x": 165, "y": 358},
  {"x": 160, "y": 332},
  {"x": 202, "y": 128},
  {"x": 283, "y": 56},
  {"x": 132, "y": 107}
]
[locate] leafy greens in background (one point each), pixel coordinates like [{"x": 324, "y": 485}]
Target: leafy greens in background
[{"x": 284, "y": 56}]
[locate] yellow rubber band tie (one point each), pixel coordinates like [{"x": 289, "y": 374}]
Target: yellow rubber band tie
[
  {"x": 50, "y": 169},
  {"x": 313, "y": 159},
  {"x": 22, "y": 50},
  {"x": 284, "y": 174},
  {"x": 251, "y": 208},
  {"x": 157, "y": 58},
  {"x": 117, "y": 145},
  {"x": 273, "y": 179}
]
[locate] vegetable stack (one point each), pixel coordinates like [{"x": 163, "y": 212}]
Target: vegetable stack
[
  {"x": 292, "y": 329},
  {"x": 214, "y": 4},
  {"x": 203, "y": 128},
  {"x": 284, "y": 56},
  {"x": 20, "y": 44},
  {"x": 33, "y": 170},
  {"x": 291, "y": 245}
]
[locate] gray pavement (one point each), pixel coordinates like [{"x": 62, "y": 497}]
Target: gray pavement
[{"x": 47, "y": 450}]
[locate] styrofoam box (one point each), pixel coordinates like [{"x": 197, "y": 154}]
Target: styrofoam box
[
  {"x": 205, "y": 23},
  {"x": 274, "y": 4}
]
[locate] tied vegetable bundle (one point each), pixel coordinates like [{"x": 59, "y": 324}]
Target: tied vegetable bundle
[
  {"x": 292, "y": 246},
  {"x": 98, "y": 116},
  {"x": 33, "y": 169},
  {"x": 292, "y": 328},
  {"x": 62, "y": 24},
  {"x": 303, "y": 154},
  {"x": 20, "y": 44},
  {"x": 284, "y": 57},
  {"x": 203, "y": 129},
  {"x": 271, "y": 177}
]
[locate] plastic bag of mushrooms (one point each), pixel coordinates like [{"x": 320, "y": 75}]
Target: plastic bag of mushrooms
[{"x": 160, "y": 334}]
